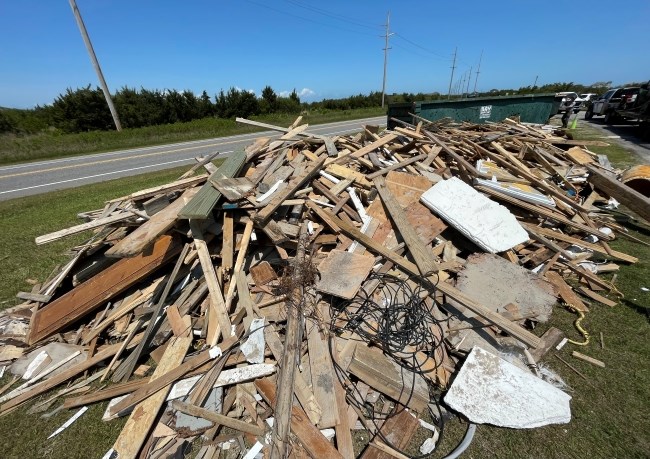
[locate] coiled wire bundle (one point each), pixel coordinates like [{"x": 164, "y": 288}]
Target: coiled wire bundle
[{"x": 394, "y": 315}]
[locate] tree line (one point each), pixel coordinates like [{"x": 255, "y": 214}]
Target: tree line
[{"x": 84, "y": 109}]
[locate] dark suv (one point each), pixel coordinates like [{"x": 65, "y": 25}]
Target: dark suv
[{"x": 610, "y": 101}]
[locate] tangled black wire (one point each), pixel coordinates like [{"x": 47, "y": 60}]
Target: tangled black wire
[{"x": 392, "y": 314}]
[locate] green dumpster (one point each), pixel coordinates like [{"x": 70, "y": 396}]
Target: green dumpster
[{"x": 533, "y": 108}]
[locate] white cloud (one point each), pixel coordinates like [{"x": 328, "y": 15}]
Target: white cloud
[
  {"x": 252, "y": 91},
  {"x": 304, "y": 92}
]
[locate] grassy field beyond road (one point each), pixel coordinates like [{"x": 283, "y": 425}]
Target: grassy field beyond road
[{"x": 47, "y": 146}]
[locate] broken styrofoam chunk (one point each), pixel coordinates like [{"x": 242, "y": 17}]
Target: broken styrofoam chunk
[
  {"x": 253, "y": 347},
  {"x": 489, "y": 390},
  {"x": 488, "y": 224}
]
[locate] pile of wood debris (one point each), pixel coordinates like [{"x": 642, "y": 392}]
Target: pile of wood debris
[{"x": 356, "y": 273}]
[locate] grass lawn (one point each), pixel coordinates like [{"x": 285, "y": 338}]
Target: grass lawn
[
  {"x": 609, "y": 409},
  {"x": 15, "y": 149}
]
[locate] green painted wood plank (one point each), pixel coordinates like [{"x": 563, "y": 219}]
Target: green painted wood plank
[{"x": 207, "y": 197}]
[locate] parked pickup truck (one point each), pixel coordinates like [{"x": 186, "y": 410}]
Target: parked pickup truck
[{"x": 607, "y": 104}]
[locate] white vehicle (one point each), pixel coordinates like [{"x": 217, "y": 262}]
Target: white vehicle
[{"x": 583, "y": 99}]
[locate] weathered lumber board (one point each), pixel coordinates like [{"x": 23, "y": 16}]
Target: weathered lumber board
[
  {"x": 421, "y": 254},
  {"x": 322, "y": 377},
  {"x": 385, "y": 376},
  {"x": 140, "y": 238},
  {"x": 93, "y": 293},
  {"x": 135, "y": 431},
  {"x": 309, "y": 436},
  {"x": 207, "y": 197},
  {"x": 293, "y": 186},
  {"x": 55, "y": 236},
  {"x": 627, "y": 196},
  {"x": 217, "y": 418}
]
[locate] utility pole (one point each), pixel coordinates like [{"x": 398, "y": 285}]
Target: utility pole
[
  {"x": 469, "y": 79},
  {"x": 453, "y": 67},
  {"x": 386, "y": 48},
  {"x": 535, "y": 83},
  {"x": 478, "y": 70},
  {"x": 95, "y": 62}
]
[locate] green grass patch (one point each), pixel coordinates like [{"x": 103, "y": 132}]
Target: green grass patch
[{"x": 15, "y": 149}]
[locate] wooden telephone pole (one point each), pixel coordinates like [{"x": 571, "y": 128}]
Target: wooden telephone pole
[{"x": 93, "y": 59}]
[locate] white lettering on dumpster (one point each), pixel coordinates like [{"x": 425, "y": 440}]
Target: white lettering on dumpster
[{"x": 486, "y": 112}]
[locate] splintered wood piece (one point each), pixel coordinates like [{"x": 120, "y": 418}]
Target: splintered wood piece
[
  {"x": 144, "y": 235},
  {"x": 86, "y": 297},
  {"x": 566, "y": 292},
  {"x": 421, "y": 254},
  {"x": 201, "y": 205},
  {"x": 595, "y": 296},
  {"x": 236, "y": 424},
  {"x": 342, "y": 158},
  {"x": 309, "y": 436},
  {"x": 263, "y": 273},
  {"x": 346, "y": 173},
  {"x": 217, "y": 302},
  {"x": 627, "y": 196},
  {"x": 293, "y": 186},
  {"x": 135, "y": 431},
  {"x": 344, "y": 441},
  {"x": 385, "y": 376},
  {"x": 301, "y": 388},
  {"x": 227, "y": 249},
  {"x": 233, "y": 189},
  {"x": 55, "y": 236},
  {"x": 398, "y": 430},
  {"x": 342, "y": 273},
  {"x": 550, "y": 338},
  {"x": 586, "y": 358},
  {"x": 322, "y": 377}
]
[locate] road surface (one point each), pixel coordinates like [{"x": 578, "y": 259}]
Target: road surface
[{"x": 43, "y": 176}]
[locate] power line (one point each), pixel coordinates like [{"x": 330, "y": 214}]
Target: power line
[
  {"x": 334, "y": 15},
  {"x": 308, "y": 19},
  {"x": 420, "y": 46}
]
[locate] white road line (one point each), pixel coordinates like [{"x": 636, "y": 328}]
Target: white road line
[{"x": 97, "y": 175}]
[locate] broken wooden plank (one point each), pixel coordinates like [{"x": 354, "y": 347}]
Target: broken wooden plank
[
  {"x": 217, "y": 418},
  {"x": 309, "y": 436},
  {"x": 384, "y": 375},
  {"x": 144, "y": 235},
  {"x": 136, "y": 429},
  {"x": 99, "y": 222},
  {"x": 207, "y": 197},
  {"x": 421, "y": 254},
  {"x": 93, "y": 293},
  {"x": 293, "y": 186}
]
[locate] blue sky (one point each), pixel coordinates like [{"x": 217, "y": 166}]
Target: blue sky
[{"x": 323, "y": 49}]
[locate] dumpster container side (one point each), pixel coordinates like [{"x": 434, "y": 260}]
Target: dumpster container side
[{"x": 537, "y": 108}]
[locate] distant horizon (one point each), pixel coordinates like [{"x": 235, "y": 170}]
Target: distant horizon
[
  {"x": 286, "y": 93},
  {"x": 324, "y": 51}
]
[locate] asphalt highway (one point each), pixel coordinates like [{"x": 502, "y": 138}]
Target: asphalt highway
[{"x": 43, "y": 176}]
